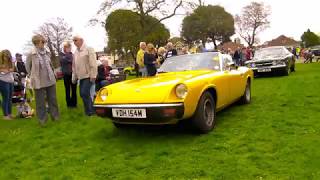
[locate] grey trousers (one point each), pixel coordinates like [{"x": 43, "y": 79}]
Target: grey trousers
[{"x": 43, "y": 95}]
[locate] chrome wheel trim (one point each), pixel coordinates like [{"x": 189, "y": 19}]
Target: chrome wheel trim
[
  {"x": 208, "y": 112},
  {"x": 248, "y": 93}
]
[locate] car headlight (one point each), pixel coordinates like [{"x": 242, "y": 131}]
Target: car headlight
[
  {"x": 103, "y": 94},
  {"x": 279, "y": 62},
  {"x": 251, "y": 65},
  {"x": 181, "y": 91}
]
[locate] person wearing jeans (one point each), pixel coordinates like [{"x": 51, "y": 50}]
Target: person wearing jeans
[
  {"x": 84, "y": 69},
  {"x": 85, "y": 88},
  {"x": 6, "y": 83}
]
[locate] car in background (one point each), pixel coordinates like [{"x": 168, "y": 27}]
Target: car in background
[
  {"x": 129, "y": 70},
  {"x": 187, "y": 87},
  {"x": 276, "y": 59},
  {"x": 316, "y": 52}
]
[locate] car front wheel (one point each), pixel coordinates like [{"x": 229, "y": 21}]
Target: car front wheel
[{"x": 205, "y": 115}]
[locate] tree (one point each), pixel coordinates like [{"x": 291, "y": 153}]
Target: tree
[
  {"x": 208, "y": 22},
  {"x": 125, "y": 32},
  {"x": 56, "y": 31},
  {"x": 162, "y": 9},
  {"x": 309, "y": 39},
  {"x": 252, "y": 21}
]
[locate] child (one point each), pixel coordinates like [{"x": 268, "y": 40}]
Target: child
[{"x": 24, "y": 110}]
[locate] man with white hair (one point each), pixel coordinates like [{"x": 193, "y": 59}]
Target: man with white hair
[
  {"x": 170, "y": 50},
  {"x": 140, "y": 57},
  {"x": 84, "y": 70}
]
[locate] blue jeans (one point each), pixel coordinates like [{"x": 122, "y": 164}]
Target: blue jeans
[
  {"x": 85, "y": 86},
  {"x": 6, "y": 90}
]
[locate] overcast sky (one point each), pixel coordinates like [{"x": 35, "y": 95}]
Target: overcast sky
[{"x": 20, "y": 18}]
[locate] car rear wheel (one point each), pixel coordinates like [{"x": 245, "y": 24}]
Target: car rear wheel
[
  {"x": 205, "y": 115},
  {"x": 246, "y": 98}
]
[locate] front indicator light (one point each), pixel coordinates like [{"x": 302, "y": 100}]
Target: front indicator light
[
  {"x": 169, "y": 112},
  {"x": 103, "y": 94},
  {"x": 181, "y": 91}
]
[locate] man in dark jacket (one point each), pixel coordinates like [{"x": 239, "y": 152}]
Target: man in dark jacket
[
  {"x": 66, "y": 60},
  {"x": 103, "y": 76}
]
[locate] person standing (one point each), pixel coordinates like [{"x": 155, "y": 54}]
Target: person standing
[
  {"x": 237, "y": 57},
  {"x": 20, "y": 66},
  {"x": 139, "y": 60},
  {"x": 6, "y": 83},
  {"x": 161, "y": 54},
  {"x": 85, "y": 70},
  {"x": 170, "y": 51},
  {"x": 150, "y": 60},
  {"x": 43, "y": 80},
  {"x": 66, "y": 59}
]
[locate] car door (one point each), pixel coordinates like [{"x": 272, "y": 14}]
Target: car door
[
  {"x": 221, "y": 84},
  {"x": 235, "y": 78}
]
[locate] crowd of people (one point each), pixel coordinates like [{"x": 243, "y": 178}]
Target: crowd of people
[
  {"x": 38, "y": 71},
  {"x": 149, "y": 58}
]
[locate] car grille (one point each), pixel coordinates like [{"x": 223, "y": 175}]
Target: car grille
[{"x": 263, "y": 64}]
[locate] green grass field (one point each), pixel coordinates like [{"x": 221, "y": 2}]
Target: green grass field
[{"x": 277, "y": 136}]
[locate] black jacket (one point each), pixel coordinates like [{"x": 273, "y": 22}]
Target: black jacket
[{"x": 66, "y": 63}]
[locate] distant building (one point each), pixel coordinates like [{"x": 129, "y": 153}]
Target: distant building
[
  {"x": 282, "y": 41},
  {"x": 230, "y": 45}
]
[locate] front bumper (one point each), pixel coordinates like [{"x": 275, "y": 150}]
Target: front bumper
[
  {"x": 269, "y": 69},
  {"x": 155, "y": 113}
]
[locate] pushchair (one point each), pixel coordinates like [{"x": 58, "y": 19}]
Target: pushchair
[{"x": 19, "y": 88}]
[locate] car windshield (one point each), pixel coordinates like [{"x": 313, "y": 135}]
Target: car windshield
[
  {"x": 269, "y": 53},
  {"x": 208, "y": 61}
]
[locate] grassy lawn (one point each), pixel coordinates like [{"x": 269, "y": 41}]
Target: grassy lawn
[{"x": 277, "y": 136}]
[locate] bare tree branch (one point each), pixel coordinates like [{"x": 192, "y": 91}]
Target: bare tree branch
[{"x": 254, "y": 19}]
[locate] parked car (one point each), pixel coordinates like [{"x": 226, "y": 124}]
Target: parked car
[
  {"x": 192, "y": 87},
  {"x": 316, "y": 52},
  {"x": 129, "y": 70},
  {"x": 275, "y": 59}
]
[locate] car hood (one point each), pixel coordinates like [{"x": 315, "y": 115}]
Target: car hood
[
  {"x": 267, "y": 58},
  {"x": 150, "y": 89}
]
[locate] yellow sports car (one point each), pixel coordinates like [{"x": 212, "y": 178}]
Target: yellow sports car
[{"x": 192, "y": 87}]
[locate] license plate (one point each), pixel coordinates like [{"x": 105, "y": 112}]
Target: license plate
[
  {"x": 264, "y": 70},
  {"x": 129, "y": 113}
]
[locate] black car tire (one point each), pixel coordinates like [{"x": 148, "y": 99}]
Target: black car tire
[
  {"x": 204, "y": 118},
  {"x": 246, "y": 97},
  {"x": 286, "y": 71}
]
